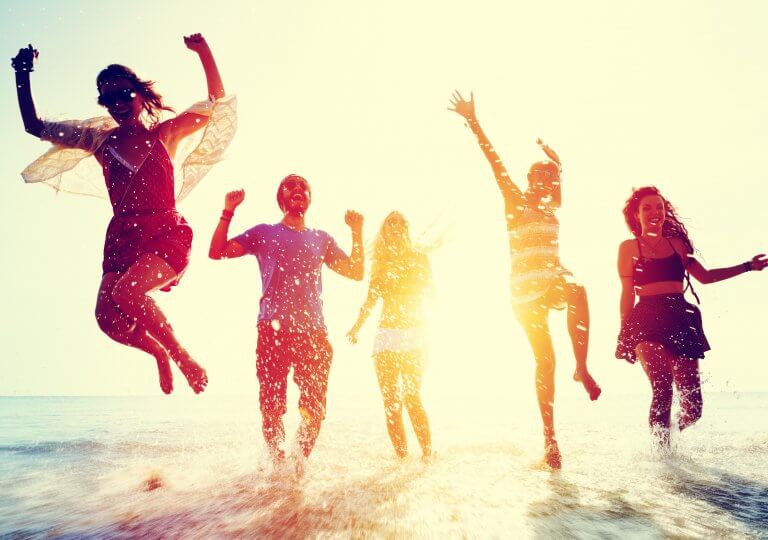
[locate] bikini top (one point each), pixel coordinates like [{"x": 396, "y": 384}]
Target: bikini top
[{"x": 652, "y": 270}]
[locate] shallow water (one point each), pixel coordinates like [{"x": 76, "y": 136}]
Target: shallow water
[{"x": 83, "y": 467}]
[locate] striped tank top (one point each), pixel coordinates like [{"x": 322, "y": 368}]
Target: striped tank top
[{"x": 533, "y": 246}]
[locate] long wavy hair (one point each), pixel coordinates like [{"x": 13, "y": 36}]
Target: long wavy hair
[
  {"x": 153, "y": 102},
  {"x": 386, "y": 262},
  {"x": 672, "y": 228}
]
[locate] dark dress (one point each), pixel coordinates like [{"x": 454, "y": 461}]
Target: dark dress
[
  {"x": 666, "y": 319},
  {"x": 145, "y": 218}
]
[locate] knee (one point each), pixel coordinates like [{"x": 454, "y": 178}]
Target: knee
[
  {"x": 111, "y": 324},
  {"x": 545, "y": 368},
  {"x": 413, "y": 402},
  {"x": 393, "y": 408}
]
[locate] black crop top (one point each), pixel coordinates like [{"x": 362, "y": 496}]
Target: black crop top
[{"x": 650, "y": 270}]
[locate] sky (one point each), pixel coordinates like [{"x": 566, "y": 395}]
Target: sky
[{"x": 353, "y": 96}]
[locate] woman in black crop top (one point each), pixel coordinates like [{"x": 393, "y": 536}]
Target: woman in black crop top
[{"x": 662, "y": 330}]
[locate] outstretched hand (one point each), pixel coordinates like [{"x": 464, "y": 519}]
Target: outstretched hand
[
  {"x": 758, "y": 262},
  {"x": 461, "y": 106},
  {"x": 352, "y": 337},
  {"x": 354, "y": 220},
  {"x": 24, "y": 61},
  {"x": 196, "y": 42},
  {"x": 233, "y": 199}
]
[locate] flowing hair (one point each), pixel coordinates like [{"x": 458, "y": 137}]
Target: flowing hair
[
  {"x": 672, "y": 228},
  {"x": 385, "y": 262},
  {"x": 153, "y": 102}
]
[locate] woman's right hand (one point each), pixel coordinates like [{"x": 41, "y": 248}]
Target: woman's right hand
[
  {"x": 461, "y": 106},
  {"x": 352, "y": 336},
  {"x": 24, "y": 61},
  {"x": 233, "y": 199}
]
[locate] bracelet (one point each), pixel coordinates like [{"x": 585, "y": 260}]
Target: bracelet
[
  {"x": 227, "y": 215},
  {"x": 21, "y": 66},
  {"x": 747, "y": 266}
]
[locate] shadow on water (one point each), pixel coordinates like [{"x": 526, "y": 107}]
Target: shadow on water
[
  {"x": 744, "y": 500},
  {"x": 562, "y": 514}
]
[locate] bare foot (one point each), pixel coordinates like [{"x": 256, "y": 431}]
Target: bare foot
[
  {"x": 165, "y": 373},
  {"x": 589, "y": 383},
  {"x": 196, "y": 375},
  {"x": 552, "y": 457}
]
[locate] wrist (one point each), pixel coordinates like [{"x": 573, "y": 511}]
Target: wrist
[
  {"x": 747, "y": 266},
  {"x": 227, "y": 215}
]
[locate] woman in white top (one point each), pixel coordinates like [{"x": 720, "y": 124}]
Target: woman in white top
[{"x": 400, "y": 277}]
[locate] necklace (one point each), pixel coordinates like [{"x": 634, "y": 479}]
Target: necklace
[{"x": 652, "y": 248}]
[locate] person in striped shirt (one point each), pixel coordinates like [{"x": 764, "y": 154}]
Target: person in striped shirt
[{"x": 538, "y": 282}]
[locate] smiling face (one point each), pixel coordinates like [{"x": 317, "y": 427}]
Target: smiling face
[
  {"x": 122, "y": 100},
  {"x": 294, "y": 195},
  {"x": 651, "y": 214}
]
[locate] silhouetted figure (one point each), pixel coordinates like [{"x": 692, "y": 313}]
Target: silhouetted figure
[
  {"x": 147, "y": 242},
  {"x": 538, "y": 282},
  {"x": 292, "y": 332},
  {"x": 400, "y": 277},
  {"x": 662, "y": 330}
]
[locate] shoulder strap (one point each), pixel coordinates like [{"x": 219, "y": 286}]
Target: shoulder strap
[{"x": 688, "y": 284}]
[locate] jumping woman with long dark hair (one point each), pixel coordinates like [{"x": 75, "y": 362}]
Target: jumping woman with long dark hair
[{"x": 147, "y": 242}]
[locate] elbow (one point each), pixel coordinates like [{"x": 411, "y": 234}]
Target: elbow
[
  {"x": 34, "y": 128},
  {"x": 215, "y": 254}
]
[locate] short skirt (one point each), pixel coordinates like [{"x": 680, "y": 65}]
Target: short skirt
[
  {"x": 666, "y": 319},
  {"x": 164, "y": 233}
]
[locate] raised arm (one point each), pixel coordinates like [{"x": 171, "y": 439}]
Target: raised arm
[
  {"x": 513, "y": 197},
  {"x": 352, "y": 266},
  {"x": 370, "y": 301},
  {"x": 184, "y": 124},
  {"x": 221, "y": 248},
  {"x": 23, "y": 64},
  {"x": 626, "y": 267}
]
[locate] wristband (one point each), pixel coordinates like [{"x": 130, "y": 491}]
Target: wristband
[
  {"x": 22, "y": 66},
  {"x": 227, "y": 215},
  {"x": 747, "y": 266}
]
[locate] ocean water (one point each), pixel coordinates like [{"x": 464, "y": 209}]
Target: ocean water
[{"x": 157, "y": 467}]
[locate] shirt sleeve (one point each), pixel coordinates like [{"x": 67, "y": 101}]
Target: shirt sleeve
[
  {"x": 332, "y": 250},
  {"x": 251, "y": 240}
]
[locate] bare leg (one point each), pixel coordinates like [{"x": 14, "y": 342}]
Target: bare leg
[
  {"x": 387, "y": 373},
  {"x": 657, "y": 363},
  {"x": 688, "y": 381},
  {"x": 274, "y": 434},
  {"x": 578, "y": 329},
  {"x": 413, "y": 366},
  {"x": 147, "y": 274},
  {"x": 309, "y": 430},
  {"x": 537, "y": 329},
  {"x": 124, "y": 329}
]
